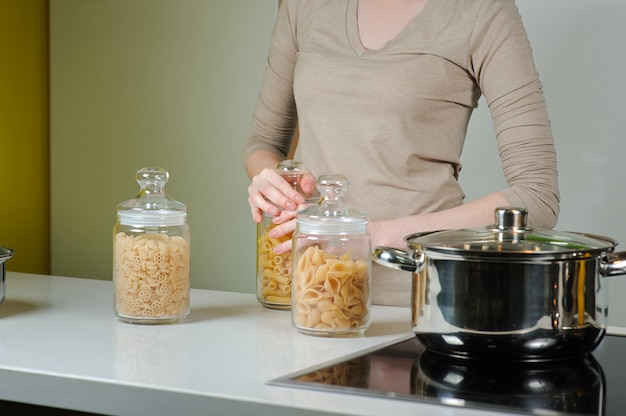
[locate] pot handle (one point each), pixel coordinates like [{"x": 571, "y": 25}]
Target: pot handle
[
  {"x": 394, "y": 258},
  {"x": 615, "y": 265}
]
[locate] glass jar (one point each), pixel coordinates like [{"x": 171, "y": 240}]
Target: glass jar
[
  {"x": 332, "y": 266},
  {"x": 151, "y": 254},
  {"x": 273, "y": 281}
]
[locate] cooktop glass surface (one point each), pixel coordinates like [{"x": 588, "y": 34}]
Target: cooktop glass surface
[{"x": 591, "y": 385}]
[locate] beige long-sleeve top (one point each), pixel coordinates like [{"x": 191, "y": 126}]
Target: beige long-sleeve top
[{"x": 394, "y": 120}]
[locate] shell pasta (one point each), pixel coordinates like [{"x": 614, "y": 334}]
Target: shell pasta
[
  {"x": 352, "y": 373},
  {"x": 331, "y": 292}
]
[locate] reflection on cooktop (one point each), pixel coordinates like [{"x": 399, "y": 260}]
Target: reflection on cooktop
[{"x": 593, "y": 385}]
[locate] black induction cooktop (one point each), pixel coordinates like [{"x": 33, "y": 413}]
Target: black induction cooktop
[{"x": 591, "y": 385}]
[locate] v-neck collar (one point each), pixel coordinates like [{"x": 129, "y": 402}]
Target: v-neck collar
[{"x": 352, "y": 26}]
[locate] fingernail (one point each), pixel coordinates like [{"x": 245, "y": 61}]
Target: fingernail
[{"x": 290, "y": 206}]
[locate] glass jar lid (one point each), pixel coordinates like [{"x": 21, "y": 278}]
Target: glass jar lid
[
  {"x": 510, "y": 236},
  {"x": 332, "y": 215},
  {"x": 293, "y": 171},
  {"x": 152, "y": 207}
]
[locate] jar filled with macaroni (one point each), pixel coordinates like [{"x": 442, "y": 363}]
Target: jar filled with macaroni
[
  {"x": 273, "y": 281},
  {"x": 151, "y": 254},
  {"x": 332, "y": 266}
]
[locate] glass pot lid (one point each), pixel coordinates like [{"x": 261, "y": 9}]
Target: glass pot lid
[
  {"x": 510, "y": 236},
  {"x": 152, "y": 207},
  {"x": 5, "y": 253},
  {"x": 332, "y": 215}
]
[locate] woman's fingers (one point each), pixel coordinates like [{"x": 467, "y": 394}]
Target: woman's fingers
[
  {"x": 284, "y": 247},
  {"x": 307, "y": 183},
  {"x": 284, "y": 216},
  {"x": 269, "y": 192},
  {"x": 283, "y": 229}
]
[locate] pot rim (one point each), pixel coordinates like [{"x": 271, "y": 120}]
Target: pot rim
[
  {"x": 511, "y": 238},
  {"x": 510, "y": 251},
  {"x": 5, "y": 253}
]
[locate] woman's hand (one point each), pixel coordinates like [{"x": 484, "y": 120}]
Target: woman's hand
[
  {"x": 286, "y": 224},
  {"x": 269, "y": 192}
]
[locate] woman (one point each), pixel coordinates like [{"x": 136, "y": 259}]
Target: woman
[{"x": 382, "y": 91}]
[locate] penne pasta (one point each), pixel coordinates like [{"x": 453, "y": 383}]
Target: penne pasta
[
  {"x": 278, "y": 299},
  {"x": 273, "y": 271}
]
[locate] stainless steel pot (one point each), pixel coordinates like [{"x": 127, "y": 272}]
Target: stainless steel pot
[
  {"x": 5, "y": 254},
  {"x": 508, "y": 291}
]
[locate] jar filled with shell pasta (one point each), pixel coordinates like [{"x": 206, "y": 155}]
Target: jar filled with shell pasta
[
  {"x": 151, "y": 254},
  {"x": 273, "y": 281},
  {"x": 332, "y": 267}
]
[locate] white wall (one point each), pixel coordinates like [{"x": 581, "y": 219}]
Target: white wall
[
  {"x": 173, "y": 83},
  {"x": 579, "y": 51}
]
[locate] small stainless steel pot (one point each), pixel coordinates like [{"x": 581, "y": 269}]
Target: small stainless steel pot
[
  {"x": 508, "y": 291},
  {"x": 5, "y": 254}
]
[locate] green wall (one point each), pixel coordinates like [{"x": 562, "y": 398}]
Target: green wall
[{"x": 169, "y": 83}]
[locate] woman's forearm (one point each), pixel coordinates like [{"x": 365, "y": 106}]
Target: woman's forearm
[
  {"x": 476, "y": 213},
  {"x": 261, "y": 159}
]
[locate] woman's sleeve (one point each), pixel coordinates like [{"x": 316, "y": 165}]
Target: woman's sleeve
[
  {"x": 500, "y": 58},
  {"x": 275, "y": 116}
]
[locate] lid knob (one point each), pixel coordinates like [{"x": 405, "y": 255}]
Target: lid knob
[
  {"x": 292, "y": 171},
  {"x": 511, "y": 218},
  {"x": 332, "y": 215},
  {"x": 152, "y": 207}
]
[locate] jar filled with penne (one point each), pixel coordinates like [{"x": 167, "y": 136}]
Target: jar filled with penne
[
  {"x": 332, "y": 267},
  {"x": 151, "y": 254},
  {"x": 274, "y": 270}
]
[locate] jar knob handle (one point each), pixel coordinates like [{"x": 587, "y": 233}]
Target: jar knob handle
[{"x": 152, "y": 179}]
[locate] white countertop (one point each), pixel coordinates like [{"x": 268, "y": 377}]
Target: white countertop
[{"x": 62, "y": 346}]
